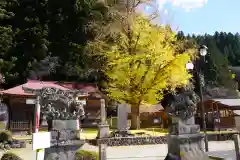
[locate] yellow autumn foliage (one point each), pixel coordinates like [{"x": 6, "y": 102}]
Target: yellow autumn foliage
[{"x": 147, "y": 62}]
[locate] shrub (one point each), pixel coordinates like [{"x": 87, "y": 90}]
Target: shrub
[
  {"x": 5, "y": 136},
  {"x": 10, "y": 156},
  {"x": 86, "y": 155}
]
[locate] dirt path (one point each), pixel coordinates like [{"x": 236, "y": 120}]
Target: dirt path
[{"x": 26, "y": 153}]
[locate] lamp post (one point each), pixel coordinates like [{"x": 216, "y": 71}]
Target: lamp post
[
  {"x": 189, "y": 66},
  {"x": 200, "y": 79},
  {"x": 200, "y": 82}
]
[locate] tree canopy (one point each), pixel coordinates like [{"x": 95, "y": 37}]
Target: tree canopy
[
  {"x": 143, "y": 63},
  {"x": 137, "y": 61},
  {"x": 7, "y": 61},
  {"x": 32, "y": 31}
]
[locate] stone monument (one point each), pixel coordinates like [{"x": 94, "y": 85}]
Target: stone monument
[
  {"x": 122, "y": 114},
  {"x": 184, "y": 139},
  {"x": 65, "y": 111},
  {"x": 122, "y": 122}
]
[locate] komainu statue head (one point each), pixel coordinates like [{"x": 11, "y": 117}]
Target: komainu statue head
[
  {"x": 181, "y": 103},
  {"x": 59, "y": 104}
]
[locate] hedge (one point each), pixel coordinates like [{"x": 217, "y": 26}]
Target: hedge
[
  {"x": 10, "y": 156},
  {"x": 5, "y": 136}
]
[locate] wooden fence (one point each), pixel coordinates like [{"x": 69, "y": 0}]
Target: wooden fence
[{"x": 20, "y": 126}]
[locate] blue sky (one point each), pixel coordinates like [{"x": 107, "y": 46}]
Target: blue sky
[{"x": 201, "y": 16}]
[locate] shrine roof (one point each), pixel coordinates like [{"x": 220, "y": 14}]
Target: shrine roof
[
  {"x": 233, "y": 104},
  {"x": 34, "y": 84},
  {"x": 85, "y": 87},
  {"x": 228, "y": 102}
]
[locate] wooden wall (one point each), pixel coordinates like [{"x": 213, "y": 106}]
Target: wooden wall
[
  {"x": 226, "y": 122},
  {"x": 147, "y": 119},
  {"x": 21, "y": 115},
  {"x": 92, "y": 108}
]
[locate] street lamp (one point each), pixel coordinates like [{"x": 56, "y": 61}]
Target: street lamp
[
  {"x": 200, "y": 82},
  {"x": 200, "y": 79},
  {"x": 203, "y": 50},
  {"x": 189, "y": 66}
]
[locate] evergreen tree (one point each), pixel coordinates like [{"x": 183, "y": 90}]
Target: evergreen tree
[
  {"x": 30, "y": 32},
  {"x": 7, "y": 61},
  {"x": 216, "y": 66},
  {"x": 222, "y": 50},
  {"x": 70, "y": 27}
]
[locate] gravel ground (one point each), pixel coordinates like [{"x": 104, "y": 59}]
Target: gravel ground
[{"x": 147, "y": 152}]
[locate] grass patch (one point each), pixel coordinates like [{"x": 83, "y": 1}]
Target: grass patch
[
  {"x": 89, "y": 155},
  {"x": 90, "y": 130},
  {"x": 215, "y": 158},
  {"x": 160, "y": 130},
  {"x": 147, "y": 130},
  {"x": 5, "y": 136},
  {"x": 91, "y": 133}
]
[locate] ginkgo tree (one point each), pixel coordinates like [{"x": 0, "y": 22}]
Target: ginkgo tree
[{"x": 143, "y": 61}]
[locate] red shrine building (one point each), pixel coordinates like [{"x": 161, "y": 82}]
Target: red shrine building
[{"x": 21, "y": 114}]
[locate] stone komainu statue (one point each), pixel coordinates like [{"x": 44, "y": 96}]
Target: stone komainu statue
[
  {"x": 185, "y": 140},
  {"x": 59, "y": 104},
  {"x": 182, "y": 103}
]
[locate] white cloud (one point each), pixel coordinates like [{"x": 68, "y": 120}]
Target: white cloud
[{"x": 185, "y": 4}]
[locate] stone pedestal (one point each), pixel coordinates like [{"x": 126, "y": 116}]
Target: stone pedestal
[
  {"x": 103, "y": 127},
  {"x": 65, "y": 140},
  {"x": 65, "y": 124},
  {"x": 185, "y": 140},
  {"x": 103, "y": 131}
]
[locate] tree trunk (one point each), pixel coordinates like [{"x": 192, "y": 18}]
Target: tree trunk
[{"x": 135, "y": 121}]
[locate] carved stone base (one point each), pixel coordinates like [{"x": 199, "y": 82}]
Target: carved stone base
[
  {"x": 185, "y": 140},
  {"x": 103, "y": 131},
  {"x": 64, "y": 140},
  {"x": 187, "y": 147},
  {"x": 61, "y": 152},
  {"x": 179, "y": 144},
  {"x": 65, "y": 124}
]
